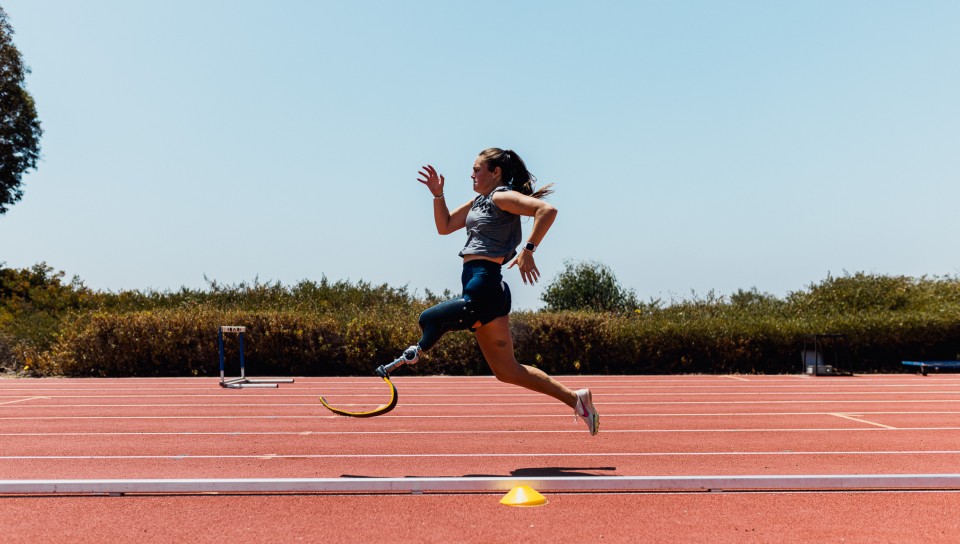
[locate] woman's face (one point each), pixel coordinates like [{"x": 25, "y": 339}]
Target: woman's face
[{"x": 484, "y": 180}]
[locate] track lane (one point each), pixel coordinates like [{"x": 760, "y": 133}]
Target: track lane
[
  {"x": 447, "y": 426},
  {"x": 704, "y": 424}
]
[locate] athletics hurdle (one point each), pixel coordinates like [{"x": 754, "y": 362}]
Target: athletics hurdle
[
  {"x": 826, "y": 355},
  {"x": 242, "y": 381}
]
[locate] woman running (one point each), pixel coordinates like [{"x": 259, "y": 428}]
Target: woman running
[{"x": 492, "y": 219}]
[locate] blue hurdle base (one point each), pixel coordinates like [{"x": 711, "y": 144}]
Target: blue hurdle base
[{"x": 925, "y": 366}]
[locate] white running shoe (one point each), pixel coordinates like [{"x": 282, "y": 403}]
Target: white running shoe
[{"x": 585, "y": 410}]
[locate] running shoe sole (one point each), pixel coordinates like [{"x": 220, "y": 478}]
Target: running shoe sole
[{"x": 585, "y": 410}]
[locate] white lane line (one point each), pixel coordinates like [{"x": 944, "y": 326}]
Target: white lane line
[
  {"x": 500, "y": 392},
  {"x": 461, "y": 404},
  {"x": 473, "y": 431},
  {"x": 325, "y": 416},
  {"x": 647, "y": 377},
  {"x": 786, "y": 396},
  {"x": 860, "y": 420},
  {"x": 182, "y": 456},
  {"x": 729, "y": 384},
  {"x": 22, "y": 400},
  {"x": 352, "y": 393},
  {"x": 720, "y": 383}
]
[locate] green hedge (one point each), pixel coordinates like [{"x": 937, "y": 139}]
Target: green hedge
[
  {"x": 51, "y": 327},
  {"x": 183, "y": 343}
]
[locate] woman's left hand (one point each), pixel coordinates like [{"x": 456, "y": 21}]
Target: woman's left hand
[{"x": 528, "y": 267}]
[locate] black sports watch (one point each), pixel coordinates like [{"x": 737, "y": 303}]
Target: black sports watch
[{"x": 530, "y": 247}]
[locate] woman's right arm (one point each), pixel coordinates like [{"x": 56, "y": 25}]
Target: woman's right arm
[
  {"x": 446, "y": 222},
  {"x": 449, "y": 222}
]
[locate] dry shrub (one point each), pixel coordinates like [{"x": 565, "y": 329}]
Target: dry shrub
[
  {"x": 328, "y": 328},
  {"x": 184, "y": 343}
]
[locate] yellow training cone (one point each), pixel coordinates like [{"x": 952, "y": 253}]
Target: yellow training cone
[{"x": 523, "y": 495}]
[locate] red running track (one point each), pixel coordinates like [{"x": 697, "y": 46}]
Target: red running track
[{"x": 461, "y": 427}]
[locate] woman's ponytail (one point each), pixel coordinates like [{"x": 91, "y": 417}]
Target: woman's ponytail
[{"x": 514, "y": 172}]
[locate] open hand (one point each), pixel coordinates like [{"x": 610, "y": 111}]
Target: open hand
[
  {"x": 528, "y": 268},
  {"x": 430, "y": 178}
]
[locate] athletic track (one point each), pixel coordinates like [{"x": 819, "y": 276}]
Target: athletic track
[{"x": 797, "y": 435}]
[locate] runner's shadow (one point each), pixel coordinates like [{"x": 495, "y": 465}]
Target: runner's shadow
[{"x": 540, "y": 472}]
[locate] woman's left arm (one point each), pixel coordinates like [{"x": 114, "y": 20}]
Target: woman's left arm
[{"x": 543, "y": 216}]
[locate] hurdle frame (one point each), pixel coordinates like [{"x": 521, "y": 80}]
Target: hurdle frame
[
  {"x": 826, "y": 354},
  {"x": 243, "y": 381}
]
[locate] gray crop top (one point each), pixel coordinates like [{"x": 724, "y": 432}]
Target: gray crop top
[{"x": 491, "y": 232}]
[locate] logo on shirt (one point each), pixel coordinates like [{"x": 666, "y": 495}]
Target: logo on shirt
[{"x": 483, "y": 204}]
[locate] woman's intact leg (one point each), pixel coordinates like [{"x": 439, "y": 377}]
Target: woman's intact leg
[{"x": 496, "y": 343}]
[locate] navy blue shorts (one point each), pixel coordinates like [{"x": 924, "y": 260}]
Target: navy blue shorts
[
  {"x": 485, "y": 298},
  {"x": 483, "y": 285}
]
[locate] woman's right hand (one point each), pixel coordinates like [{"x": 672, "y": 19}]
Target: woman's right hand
[{"x": 433, "y": 180}]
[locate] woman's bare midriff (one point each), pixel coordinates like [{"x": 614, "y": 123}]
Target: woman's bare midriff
[{"x": 468, "y": 258}]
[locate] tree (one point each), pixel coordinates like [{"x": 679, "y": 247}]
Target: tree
[
  {"x": 588, "y": 286},
  {"x": 19, "y": 127}
]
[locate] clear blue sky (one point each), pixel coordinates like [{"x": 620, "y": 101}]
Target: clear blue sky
[{"x": 695, "y": 145}]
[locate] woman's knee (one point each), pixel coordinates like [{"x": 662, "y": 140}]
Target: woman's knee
[
  {"x": 508, "y": 371},
  {"x": 505, "y": 377}
]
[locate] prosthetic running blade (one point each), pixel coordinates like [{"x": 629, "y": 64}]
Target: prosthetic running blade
[{"x": 384, "y": 372}]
